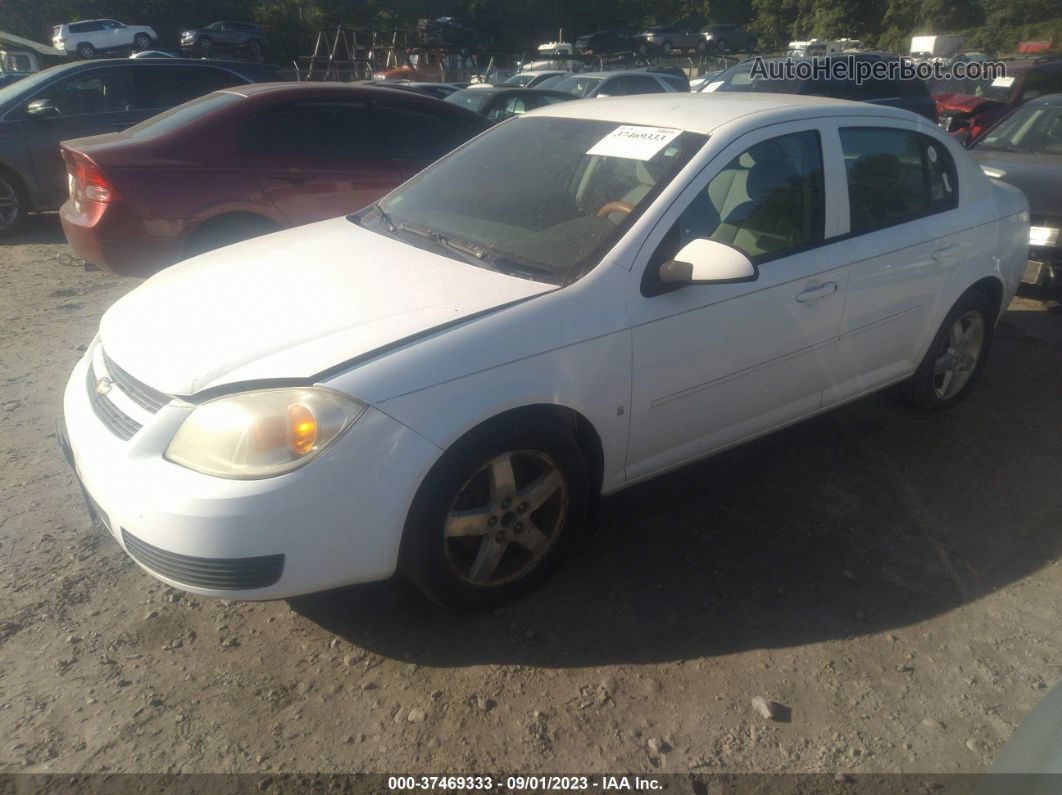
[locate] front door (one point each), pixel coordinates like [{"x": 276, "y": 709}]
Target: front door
[
  {"x": 88, "y": 103},
  {"x": 715, "y": 364}
]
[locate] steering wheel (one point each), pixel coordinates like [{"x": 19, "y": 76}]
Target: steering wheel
[{"x": 614, "y": 207}]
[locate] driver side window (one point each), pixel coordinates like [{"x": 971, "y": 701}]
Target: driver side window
[
  {"x": 767, "y": 202},
  {"x": 98, "y": 91}
]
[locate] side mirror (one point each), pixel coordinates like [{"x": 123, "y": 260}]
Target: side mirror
[
  {"x": 705, "y": 261},
  {"x": 41, "y": 108}
]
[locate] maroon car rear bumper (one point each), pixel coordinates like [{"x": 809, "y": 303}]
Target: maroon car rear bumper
[{"x": 115, "y": 239}]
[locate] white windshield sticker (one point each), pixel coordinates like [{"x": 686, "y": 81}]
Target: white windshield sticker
[
  {"x": 1004, "y": 82},
  {"x": 635, "y": 143}
]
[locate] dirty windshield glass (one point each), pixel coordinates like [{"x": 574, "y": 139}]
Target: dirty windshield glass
[{"x": 541, "y": 197}]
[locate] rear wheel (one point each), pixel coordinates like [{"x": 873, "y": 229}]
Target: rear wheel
[
  {"x": 494, "y": 514},
  {"x": 666, "y": 48},
  {"x": 85, "y": 51},
  {"x": 700, "y": 47},
  {"x": 13, "y": 204},
  {"x": 141, "y": 41},
  {"x": 956, "y": 357}
]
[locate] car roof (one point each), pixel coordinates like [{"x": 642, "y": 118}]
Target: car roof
[
  {"x": 617, "y": 73},
  {"x": 702, "y": 113}
]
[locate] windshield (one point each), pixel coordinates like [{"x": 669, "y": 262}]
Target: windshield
[
  {"x": 27, "y": 86},
  {"x": 543, "y": 198},
  {"x": 519, "y": 80},
  {"x": 998, "y": 89},
  {"x": 471, "y": 98},
  {"x": 1032, "y": 130},
  {"x": 551, "y": 82},
  {"x": 739, "y": 78},
  {"x": 580, "y": 86}
]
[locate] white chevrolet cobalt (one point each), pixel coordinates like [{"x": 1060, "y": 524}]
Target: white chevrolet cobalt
[{"x": 579, "y": 299}]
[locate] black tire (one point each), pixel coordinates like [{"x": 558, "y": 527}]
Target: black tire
[
  {"x": 205, "y": 42},
  {"x": 752, "y": 45},
  {"x": 225, "y": 231},
  {"x": 926, "y": 389},
  {"x": 14, "y": 203},
  {"x": 666, "y": 48},
  {"x": 700, "y": 47},
  {"x": 141, "y": 41},
  {"x": 85, "y": 51},
  {"x": 643, "y": 49},
  {"x": 437, "y": 564}
]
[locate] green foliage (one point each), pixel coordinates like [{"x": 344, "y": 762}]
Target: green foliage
[{"x": 518, "y": 25}]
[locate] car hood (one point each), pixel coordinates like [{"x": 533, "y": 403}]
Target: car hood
[
  {"x": 1039, "y": 177},
  {"x": 291, "y": 305},
  {"x": 963, "y": 103}
]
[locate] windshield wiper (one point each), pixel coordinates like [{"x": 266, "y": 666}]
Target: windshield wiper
[
  {"x": 475, "y": 254},
  {"x": 384, "y": 217}
]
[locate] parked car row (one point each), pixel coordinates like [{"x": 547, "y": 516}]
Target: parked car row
[{"x": 667, "y": 39}]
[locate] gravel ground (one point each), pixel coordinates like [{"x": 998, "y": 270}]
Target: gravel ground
[{"x": 890, "y": 578}]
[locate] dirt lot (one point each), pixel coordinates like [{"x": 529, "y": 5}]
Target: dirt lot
[{"x": 892, "y": 578}]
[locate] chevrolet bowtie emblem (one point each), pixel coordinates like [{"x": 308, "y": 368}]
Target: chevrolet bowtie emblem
[{"x": 103, "y": 386}]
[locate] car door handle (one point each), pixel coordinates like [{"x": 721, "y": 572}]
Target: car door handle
[
  {"x": 817, "y": 292},
  {"x": 291, "y": 179}
]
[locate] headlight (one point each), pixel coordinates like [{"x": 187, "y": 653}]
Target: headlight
[
  {"x": 1043, "y": 236},
  {"x": 262, "y": 434}
]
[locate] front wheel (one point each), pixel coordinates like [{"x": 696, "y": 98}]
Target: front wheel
[
  {"x": 956, "y": 357},
  {"x": 666, "y": 48},
  {"x": 492, "y": 517},
  {"x": 13, "y": 204}
]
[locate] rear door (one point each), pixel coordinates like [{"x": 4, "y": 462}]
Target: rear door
[
  {"x": 317, "y": 160},
  {"x": 906, "y": 238},
  {"x": 90, "y": 102}
]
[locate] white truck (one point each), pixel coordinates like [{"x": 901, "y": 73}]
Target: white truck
[{"x": 937, "y": 46}]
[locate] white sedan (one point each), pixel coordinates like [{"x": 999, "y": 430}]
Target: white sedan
[{"x": 577, "y": 300}]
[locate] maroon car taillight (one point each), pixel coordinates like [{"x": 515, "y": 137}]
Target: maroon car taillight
[{"x": 87, "y": 179}]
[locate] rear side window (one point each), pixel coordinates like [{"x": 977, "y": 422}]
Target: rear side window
[
  {"x": 895, "y": 176},
  {"x": 86, "y": 27},
  {"x": 166, "y": 86},
  {"x": 182, "y": 115}
]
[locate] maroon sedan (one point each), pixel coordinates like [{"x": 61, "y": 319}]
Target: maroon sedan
[{"x": 246, "y": 161}]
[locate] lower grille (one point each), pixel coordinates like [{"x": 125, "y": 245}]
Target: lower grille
[{"x": 220, "y": 573}]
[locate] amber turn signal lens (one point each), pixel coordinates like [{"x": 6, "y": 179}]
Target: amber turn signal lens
[{"x": 302, "y": 429}]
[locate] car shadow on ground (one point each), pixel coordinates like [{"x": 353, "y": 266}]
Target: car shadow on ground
[
  {"x": 38, "y": 228},
  {"x": 870, "y": 517}
]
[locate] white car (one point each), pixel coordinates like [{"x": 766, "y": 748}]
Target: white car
[
  {"x": 92, "y": 36},
  {"x": 444, "y": 382},
  {"x": 618, "y": 84}
]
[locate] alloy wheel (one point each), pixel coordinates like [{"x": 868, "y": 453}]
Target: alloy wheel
[
  {"x": 958, "y": 355},
  {"x": 506, "y": 518},
  {"x": 10, "y": 207}
]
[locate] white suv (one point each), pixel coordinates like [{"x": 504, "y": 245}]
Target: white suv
[{"x": 87, "y": 38}]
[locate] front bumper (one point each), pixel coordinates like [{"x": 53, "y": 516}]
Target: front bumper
[{"x": 336, "y": 521}]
